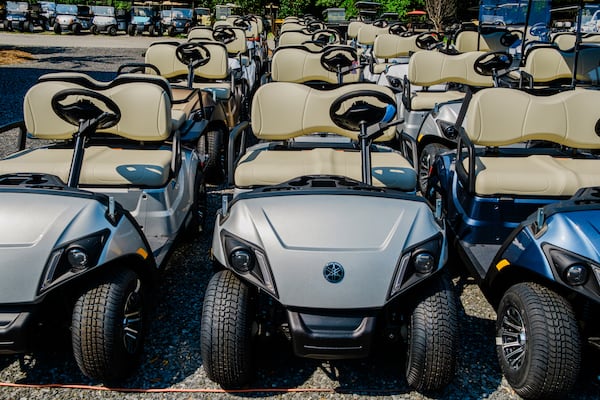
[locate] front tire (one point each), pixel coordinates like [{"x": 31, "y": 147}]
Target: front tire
[
  {"x": 57, "y": 29},
  {"x": 76, "y": 28},
  {"x": 226, "y": 335},
  {"x": 433, "y": 337},
  {"x": 94, "y": 30},
  {"x": 131, "y": 30},
  {"x": 112, "y": 30},
  {"x": 108, "y": 326},
  {"x": 538, "y": 342}
]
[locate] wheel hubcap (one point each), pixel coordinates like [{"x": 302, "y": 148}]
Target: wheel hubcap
[
  {"x": 513, "y": 339},
  {"x": 424, "y": 171},
  {"x": 132, "y": 319}
]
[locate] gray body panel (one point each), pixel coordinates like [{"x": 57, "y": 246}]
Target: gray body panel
[{"x": 300, "y": 234}]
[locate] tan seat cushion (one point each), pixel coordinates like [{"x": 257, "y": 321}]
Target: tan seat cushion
[
  {"x": 427, "y": 100},
  {"x": 298, "y": 65},
  {"x": 102, "y": 165},
  {"x": 271, "y": 167},
  {"x": 427, "y": 68},
  {"x": 393, "y": 46},
  {"x": 535, "y": 175}
]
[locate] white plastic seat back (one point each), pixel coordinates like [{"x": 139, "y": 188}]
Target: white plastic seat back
[
  {"x": 292, "y": 25},
  {"x": 367, "y": 34},
  {"x": 353, "y": 28},
  {"x": 388, "y": 46},
  {"x": 547, "y": 64},
  {"x": 200, "y": 32},
  {"x": 294, "y": 38},
  {"x": 466, "y": 41}
]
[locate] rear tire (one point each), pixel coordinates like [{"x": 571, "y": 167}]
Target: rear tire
[
  {"x": 210, "y": 147},
  {"x": 433, "y": 337},
  {"x": 112, "y": 30},
  {"x": 131, "y": 30},
  {"x": 171, "y": 31},
  {"x": 57, "y": 29},
  {"x": 539, "y": 346},
  {"x": 426, "y": 161},
  {"x": 226, "y": 336},
  {"x": 94, "y": 30},
  {"x": 108, "y": 326},
  {"x": 76, "y": 29},
  {"x": 28, "y": 27}
]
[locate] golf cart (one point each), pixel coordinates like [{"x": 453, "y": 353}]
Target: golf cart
[
  {"x": 24, "y": 17},
  {"x": 72, "y": 18},
  {"x": 326, "y": 243},
  {"x": 145, "y": 17},
  {"x": 203, "y": 17},
  {"x": 505, "y": 192},
  {"x": 177, "y": 20},
  {"x": 104, "y": 20},
  {"x": 93, "y": 216}
]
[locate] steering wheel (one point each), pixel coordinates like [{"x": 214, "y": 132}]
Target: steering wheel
[
  {"x": 499, "y": 22},
  {"x": 326, "y": 36},
  {"x": 339, "y": 59},
  {"x": 242, "y": 22},
  {"x": 351, "y": 110},
  {"x": 508, "y": 39},
  {"x": 82, "y": 108},
  {"x": 224, "y": 34},
  {"x": 540, "y": 29},
  {"x": 380, "y": 23},
  {"x": 397, "y": 29},
  {"x": 134, "y": 68},
  {"x": 427, "y": 40},
  {"x": 193, "y": 53},
  {"x": 487, "y": 63},
  {"x": 315, "y": 26}
]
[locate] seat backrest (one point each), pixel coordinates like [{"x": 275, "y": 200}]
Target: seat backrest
[
  {"x": 502, "y": 116},
  {"x": 252, "y": 32},
  {"x": 200, "y": 32},
  {"x": 162, "y": 55},
  {"x": 293, "y": 64},
  {"x": 391, "y": 46},
  {"x": 368, "y": 32},
  {"x": 549, "y": 63},
  {"x": 353, "y": 28},
  {"x": 284, "y": 110},
  {"x": 144, "y": 102},
  {"x": 293, "y": 25},
  {"x": 467, "y": 40},
  {"x": 294, "y": 38},
  {"x": 427, "y": 68}
]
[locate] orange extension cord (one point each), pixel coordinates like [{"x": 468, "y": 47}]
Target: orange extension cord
[{"x": 165, "y": 390}]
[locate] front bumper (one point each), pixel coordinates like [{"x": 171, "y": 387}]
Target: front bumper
[
  {"x": 331, "y": 337},
  {"x": 15, "y": 329}
]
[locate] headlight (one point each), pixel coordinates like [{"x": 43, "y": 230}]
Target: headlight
[
  {"x": 417, "y": 263},
  {"x": 571, "y": 268},
  {"x": 448, "y": 129},
  {"x": 249, "y": 261},
  {"x": 72, "y": 259}
]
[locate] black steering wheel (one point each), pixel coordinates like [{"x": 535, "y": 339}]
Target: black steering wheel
[
  {"x": 495, "y": 61},
  {"x": 242, "y": 22},
  {"x": 381, "y": 23},
  {"x": 508, "y": 39},
  {"x": 224, "y": 34},
  {"x": 81, "y": 107},
  {"x": 134, "y": 68},
  {"x": 397, "y": 28},
  {"x": 540, "y": 29},
  {"x": 427, "y": 40},
  {"x": 325, "y": 36},
  {"x": 351, "y": 110},
  {"x": 315, "y": 26},
  {"x": 193, "y": 53},
  {"x": 339, "y": 59}
]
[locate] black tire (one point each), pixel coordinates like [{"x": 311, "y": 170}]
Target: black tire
[
  {"x": 426, "y": 160},
  {"x": 171, "y": 31},
  {"x": 28, "y": 27},
  {"x": 211, "y": 150},
  {"x": 538, "y": 342},
  {"x": 433, "y": 337},
  {"x": 131, "y": 30},
  {"x": 76, "y": 28},
  {"x": 199, "y": 207},
  {"x": 112, "y": 30},
  {"x": 57, "y": 29},
  {"x": 94, "y": 30},
  {"x": 107, "y": 329},
  {"x": 151, "y": 30},
  {"x": 226, "y": 333}
]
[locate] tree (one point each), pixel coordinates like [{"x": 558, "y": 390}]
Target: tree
[{"x": 440, "y": 11}]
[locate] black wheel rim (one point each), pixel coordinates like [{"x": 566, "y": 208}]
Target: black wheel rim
[
  {"x": 513, "y": 338},
  {"x": 424, "y": 170},
  {"x": 133, "y": 319}
]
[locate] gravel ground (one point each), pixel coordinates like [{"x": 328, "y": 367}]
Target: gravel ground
[{"x": 172, "y": 359}]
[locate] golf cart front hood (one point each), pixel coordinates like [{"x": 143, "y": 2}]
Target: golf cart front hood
[
  {"x": 301, "y": 234},
  {"x": 584, "y": 229},
  {"x": 34, "y": 224}
]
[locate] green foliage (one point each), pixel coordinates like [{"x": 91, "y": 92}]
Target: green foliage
[{"x": 293, "y": 7}]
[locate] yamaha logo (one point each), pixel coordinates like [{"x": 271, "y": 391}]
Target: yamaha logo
[{"x": 333, "y": 272}]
